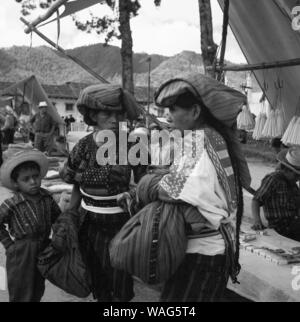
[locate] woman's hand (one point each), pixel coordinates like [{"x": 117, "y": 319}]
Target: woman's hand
[{"x": 124, "y": 201}]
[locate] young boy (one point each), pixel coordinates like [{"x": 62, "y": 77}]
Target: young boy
[
  {"x": 28, "y": 215},
  {"x": 279, "y": 195}
]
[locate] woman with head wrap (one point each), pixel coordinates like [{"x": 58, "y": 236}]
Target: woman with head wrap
[
  {"x": 98, "y": 189},
  {"x": 209, "y": 176}
]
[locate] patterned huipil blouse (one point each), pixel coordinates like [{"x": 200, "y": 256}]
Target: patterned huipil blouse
[{"x": 82, "y": 168}]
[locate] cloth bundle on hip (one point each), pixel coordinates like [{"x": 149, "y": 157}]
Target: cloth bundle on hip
[
  {"x": 152, "y": 244},
  {"x": 61, "y": 262}
]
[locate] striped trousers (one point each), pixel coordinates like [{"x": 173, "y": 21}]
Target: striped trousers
[{"x": 199, "y": 278}]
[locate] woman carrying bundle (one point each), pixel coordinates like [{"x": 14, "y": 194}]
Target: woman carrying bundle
[{"x": 210, "y": 179}]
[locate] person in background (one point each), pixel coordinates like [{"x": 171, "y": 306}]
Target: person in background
[
  {"x": 71, "y": 119},
  {"x": 279, "y": 195},
  {"x": 67, "y": 123},
  {"x": 24, "y": 121},
  {"x": 25, "y": 222},
  {"x": 9, "y": 126},
  {"x": 44, "y": 127}
]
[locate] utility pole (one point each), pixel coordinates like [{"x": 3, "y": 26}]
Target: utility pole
[
  {"x": 149, "y": 87},
  {"x": 149, "y": 82}
]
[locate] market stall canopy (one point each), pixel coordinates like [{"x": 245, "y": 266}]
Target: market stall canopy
[
  {"x": 72, "y": 7},
  {"x": 33, "y": 92},
  {"x": 265, "y": 34}
]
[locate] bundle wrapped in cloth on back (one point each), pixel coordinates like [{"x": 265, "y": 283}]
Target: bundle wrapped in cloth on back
[{"x": 203, "y": 186}]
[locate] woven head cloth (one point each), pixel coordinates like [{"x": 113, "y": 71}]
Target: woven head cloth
[
  {"x": 107, "y": 97},
  {"x": 222, "y": 101}
]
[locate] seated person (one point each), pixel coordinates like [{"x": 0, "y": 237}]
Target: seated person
[{"x": 279, "y": 195}]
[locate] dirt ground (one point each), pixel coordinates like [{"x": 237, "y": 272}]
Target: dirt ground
[{"x": 143, "y": 293}]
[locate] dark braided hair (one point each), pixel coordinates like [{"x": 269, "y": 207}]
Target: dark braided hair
[{"x": 186, "y": 101}]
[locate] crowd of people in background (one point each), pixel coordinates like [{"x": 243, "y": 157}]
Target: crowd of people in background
[{"x": 39, "y": 129}]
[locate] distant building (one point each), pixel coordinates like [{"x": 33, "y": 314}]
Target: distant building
[{"x": 64, "y": 97}]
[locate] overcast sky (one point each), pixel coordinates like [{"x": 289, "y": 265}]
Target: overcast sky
[{"x": 166, "y": 30}]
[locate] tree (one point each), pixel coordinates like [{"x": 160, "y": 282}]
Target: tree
[
  {"x": 118, "y": 27},
  {"x": 208, "y": 47}
]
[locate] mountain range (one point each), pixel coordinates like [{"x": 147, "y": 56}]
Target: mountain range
[{"x": 51, "y": 67}]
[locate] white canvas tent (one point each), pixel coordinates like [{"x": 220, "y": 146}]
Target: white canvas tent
[
  {"x": 263, "y": 29},
  {"x": 33, "y": 92}
]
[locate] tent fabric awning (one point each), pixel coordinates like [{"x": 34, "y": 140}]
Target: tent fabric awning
[
  {"x": 31, "y": 89},
  {"x": 264, "y": 32}
]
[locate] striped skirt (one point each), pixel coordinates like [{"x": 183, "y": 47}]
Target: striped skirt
[
  {"x": 199, "y": 278},
  {"x": 97, "y": 231}
]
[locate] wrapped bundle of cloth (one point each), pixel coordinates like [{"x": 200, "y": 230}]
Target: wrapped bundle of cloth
[
  {"x": 245, "y": 119},
  {"x": 280, "y": 122},
  {"x": 61, "y": 262},
  {"x": 290, "y": 131},
  {"x": 152, "y": 244},
  {"x": 270, "y": 129},
  {"x": 259, "y": 126},
  {"x": 295, "y": 134}
]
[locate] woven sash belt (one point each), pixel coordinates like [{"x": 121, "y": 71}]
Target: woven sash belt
[{"x": 100, "y": 210}]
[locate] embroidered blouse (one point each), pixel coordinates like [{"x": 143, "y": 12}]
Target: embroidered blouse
[
  {"x": 82, "y": 168},
  {"x": 194, "y": 179}
]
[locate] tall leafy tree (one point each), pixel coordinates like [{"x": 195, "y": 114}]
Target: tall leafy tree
[
  {"x": 208, "y": 46},
  {"x": 118, "y": 27}
]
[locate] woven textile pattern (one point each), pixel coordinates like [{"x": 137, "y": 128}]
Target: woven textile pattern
[{"x": 222, "y": 101}]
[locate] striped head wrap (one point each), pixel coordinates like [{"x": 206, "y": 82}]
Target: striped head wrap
[
  {"x": 223, "y": 102},
  {"x": 106, "y": 97}
]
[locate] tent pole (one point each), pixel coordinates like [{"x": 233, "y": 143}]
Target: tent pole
[
  {"x": 44, "y": 17},
  {"x": 261, "y": 66},
  {"x": 224, "y": 39},
  {"x": 61, "y": 50}
]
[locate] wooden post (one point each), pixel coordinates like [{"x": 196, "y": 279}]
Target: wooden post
[
  {"x": 261, "y": 66},
  {"x": 224, "y": 38},
  {"x": 149, "y": 83},
  {"x": 45, "y": 16}
]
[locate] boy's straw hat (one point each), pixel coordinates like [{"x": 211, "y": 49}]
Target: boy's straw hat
[
  {"x": 14, "y": 157},
  {"x": 290, "y": 158}
]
